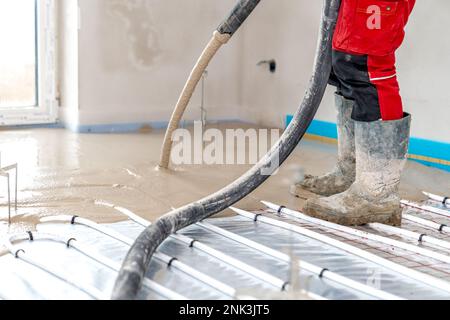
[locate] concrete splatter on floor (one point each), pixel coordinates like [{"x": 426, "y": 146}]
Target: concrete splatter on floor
[{"x": 61, "y": 172}]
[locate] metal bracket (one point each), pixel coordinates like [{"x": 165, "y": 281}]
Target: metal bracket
[{"x": 5, "y": 172}]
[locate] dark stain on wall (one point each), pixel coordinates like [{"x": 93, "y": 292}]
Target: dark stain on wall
[{"x": 138, "y": 35}]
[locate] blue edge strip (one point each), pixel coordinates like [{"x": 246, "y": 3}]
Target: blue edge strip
[
  {"x": 419, "y": 147},
  {"x": 114, "y": 127}
]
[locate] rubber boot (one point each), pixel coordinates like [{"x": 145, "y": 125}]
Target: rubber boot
[
  {"x": 381, "y": 153},
  {"x": 343, "y": 174}
]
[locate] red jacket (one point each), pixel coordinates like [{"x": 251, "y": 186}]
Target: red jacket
[{"x": 373, "y": 27}]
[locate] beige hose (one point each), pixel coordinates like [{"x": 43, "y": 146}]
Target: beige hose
[{"x": 211, "y": 49}]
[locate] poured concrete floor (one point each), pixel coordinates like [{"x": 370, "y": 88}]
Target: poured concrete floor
[{"x": 61, "y": 172}]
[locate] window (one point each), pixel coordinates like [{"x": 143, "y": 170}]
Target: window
[{"x": 27, "y": 62}]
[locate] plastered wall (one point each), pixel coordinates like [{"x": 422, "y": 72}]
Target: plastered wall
[
  {"x": 135, "y": 55},
  {"x": 289, "y": 34}
]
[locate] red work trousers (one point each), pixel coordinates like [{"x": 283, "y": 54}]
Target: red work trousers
[{"x": 368, "y": 33}]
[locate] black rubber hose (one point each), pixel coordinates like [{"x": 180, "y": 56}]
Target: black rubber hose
[
  {"x": 237, "y": 16},
  {"x": 136, "y": 263}
]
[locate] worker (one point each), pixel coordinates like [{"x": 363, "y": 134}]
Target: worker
[{"x": 373, "y": 129}]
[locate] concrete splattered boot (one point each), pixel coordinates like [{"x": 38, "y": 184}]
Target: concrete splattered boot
[
  {"x": 343, "y": 174},
  {"x": 381, "y": 150}
]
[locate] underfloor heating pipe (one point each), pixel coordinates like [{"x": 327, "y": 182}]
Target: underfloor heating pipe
[
  {"x": 34, "y": 261},
  {"x": 444, "y": 200},
  {"x": 105, "y": 261},
  {"x": 410, "y": 273},
  {"x": 170, "y": 261},
  {"x": 364, "y": 234},
  {"x": 426, "y": 208},
  {"x": 320, "y": 272}
]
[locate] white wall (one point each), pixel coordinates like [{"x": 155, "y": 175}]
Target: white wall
[
  {"x": 68, "y": 61},
  {"x": 286, "y": 30},
  {"x": 135, "y": 55},
  {"x": 289, "y": 35},
  {"x": 424, "y": 64}
]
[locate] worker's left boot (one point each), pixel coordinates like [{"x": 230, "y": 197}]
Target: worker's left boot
[
  {"x": 343, "y": 174},
  {"x": 381, "y": 153}
]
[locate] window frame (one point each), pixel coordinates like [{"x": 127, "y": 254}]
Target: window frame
[{"x": 46, "y": 111}]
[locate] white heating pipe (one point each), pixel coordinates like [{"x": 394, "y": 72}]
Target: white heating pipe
[
  {"x": 257, "y": 273},
  {"x": 323, "y": 273},
  {"x": 170, "y": 261},
  {"x": 316, "y": 270},
  {"x": 431, "y": 209},
  {"x": 88, "y": 252},
  {"x": 360, "y": 233},
  {"x": 441, "y": 199},
  {"x": 413, "y": 274},
  {"x": 264, "y": 276},
  {"x": 407, "y": 234},
  {"x": 30, "y": 259},
  {"x": 427, "y": 223}
]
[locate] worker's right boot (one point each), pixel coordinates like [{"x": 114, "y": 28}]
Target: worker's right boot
[{"x": 343, "y": 174}]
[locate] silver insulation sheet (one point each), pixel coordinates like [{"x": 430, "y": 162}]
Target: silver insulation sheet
[
  {"x": 320, "y": 254},
  {"x": 19, "y": 280}
]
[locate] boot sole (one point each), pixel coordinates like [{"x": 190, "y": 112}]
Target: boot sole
[
  {"x": 387, "y": 218},
  {"x": 307, "y": 193}
]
